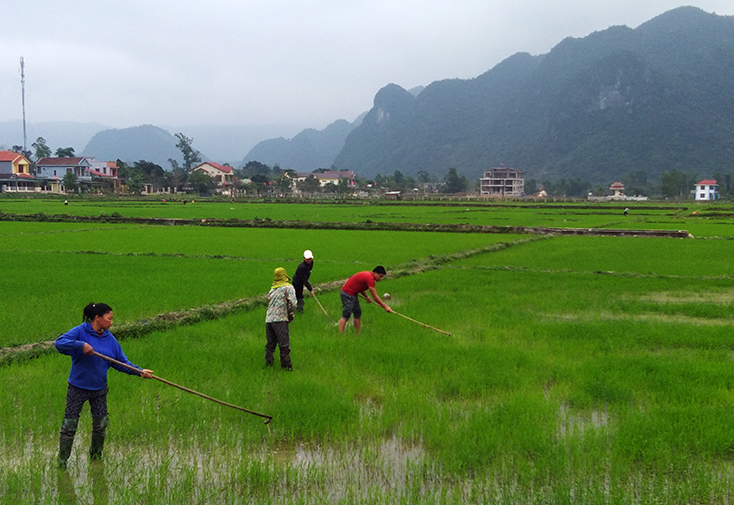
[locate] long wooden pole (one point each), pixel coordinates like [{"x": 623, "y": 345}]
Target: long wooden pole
[
  {"x": 422, "y": 324},
  {"x": 414, "y": 321},
  {"x": 322, "y": 308},
  {"x": 125, "y": 365}
]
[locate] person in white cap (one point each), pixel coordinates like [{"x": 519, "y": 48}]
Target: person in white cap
[{"x": 300, "y": 279}]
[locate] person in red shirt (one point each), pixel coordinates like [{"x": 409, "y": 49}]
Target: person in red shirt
[{"x": 357, "y": 284}]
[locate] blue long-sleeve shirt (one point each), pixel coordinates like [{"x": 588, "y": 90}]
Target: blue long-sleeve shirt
[{"x": 89, "y": 371}]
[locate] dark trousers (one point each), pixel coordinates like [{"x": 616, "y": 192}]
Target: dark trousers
[
  {"x": 75, "y": 398},
  {"x": 277, "y": 335}
]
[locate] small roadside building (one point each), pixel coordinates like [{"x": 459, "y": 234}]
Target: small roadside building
[
  {"x": 707, "y": 189},
  {"x": 502, "y": 182}
]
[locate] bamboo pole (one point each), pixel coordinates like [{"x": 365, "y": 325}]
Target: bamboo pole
[
  {"x": 322, "y": 308},
  {"x": 125, "y": 365},
  {"x": 422, "y": 324}
]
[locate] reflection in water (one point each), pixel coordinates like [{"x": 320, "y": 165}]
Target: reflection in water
[
  {"x": 67, "y": 494},
  {"x": 95, "y": 472},
  {"x": 99, "y": 482}
]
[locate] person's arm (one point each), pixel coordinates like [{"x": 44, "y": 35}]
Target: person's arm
[
  {"x": 378, "y": 301},
  {"x": 69, "y": 343},
  {"x": 120, "y": 356},
  {"x": 290, "y": 294}
]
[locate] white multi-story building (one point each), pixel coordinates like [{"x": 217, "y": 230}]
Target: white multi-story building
[
  {"x": 707, "y": 190},
  {"x": 502, "y": 182}
]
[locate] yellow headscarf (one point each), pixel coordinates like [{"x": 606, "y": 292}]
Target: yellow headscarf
[{"x": 280, "y": 278}]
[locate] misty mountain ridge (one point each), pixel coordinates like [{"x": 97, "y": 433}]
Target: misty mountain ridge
[
  {"x": 618, "y": 101},
  {"x": 310, "y": 149},
  {"x": 647, "y": 100}
]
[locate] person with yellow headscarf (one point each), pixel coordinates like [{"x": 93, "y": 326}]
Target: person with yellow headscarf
[{"x": 281, "y": 310}]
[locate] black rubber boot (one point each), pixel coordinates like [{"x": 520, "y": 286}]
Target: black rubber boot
[
  {"x": 299, "y": 305},
  {"x": 99, "y": 428},
  {"x": 285, "y": 359},
  {"x": 66, "y": 440}
]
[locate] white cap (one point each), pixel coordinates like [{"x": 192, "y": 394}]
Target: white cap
[{"x": 307, "y": 254}]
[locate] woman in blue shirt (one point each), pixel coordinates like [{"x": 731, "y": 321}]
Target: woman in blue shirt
[{"x": 88, "y": 376}]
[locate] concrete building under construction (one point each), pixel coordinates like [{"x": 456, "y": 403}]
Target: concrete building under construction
[{"x": 502, "y": 182}]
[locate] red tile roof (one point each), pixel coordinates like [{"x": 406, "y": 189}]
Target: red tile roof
[
  {"x": 223, "y": 168},
  {"x": 10, "y": 156},
  {"x": 59, "y": 161},
  {"x": 706, "y": 182}
]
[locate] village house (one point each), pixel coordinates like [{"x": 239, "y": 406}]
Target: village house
[
  {"x": 707, "y": 189},
  {"x": 502, "y": 182},
  {"x": 15, "y": 173},
  {"x": 223, "y": 175},
  {"x": 327, "y": 177},
  {"x": 88, "y": 171},
  {"x": 57, "y": 168}
]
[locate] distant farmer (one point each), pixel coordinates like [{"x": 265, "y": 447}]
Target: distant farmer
[
  {"x": 300, "y": 279},
  {"x": 88, "y": 376},
  {"x": 281, "y": 305},
  {"x": 626, "y": 210},
  {"x": 357, "y": 284}
]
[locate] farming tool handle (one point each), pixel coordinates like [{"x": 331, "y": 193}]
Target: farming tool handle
[
  {"x": 422, "y": 324},
  {"x": 322, "y": 308},
  {"x": 125, "y": 365}
]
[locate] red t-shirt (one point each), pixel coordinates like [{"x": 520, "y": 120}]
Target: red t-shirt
[{"x": 359, "y": 282}]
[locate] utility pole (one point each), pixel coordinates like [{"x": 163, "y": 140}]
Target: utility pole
[{"x": 22, "y": 88}]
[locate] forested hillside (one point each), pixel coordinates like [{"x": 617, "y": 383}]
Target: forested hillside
[{"x": 618, "y": 103}]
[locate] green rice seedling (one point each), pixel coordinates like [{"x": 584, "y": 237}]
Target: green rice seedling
[
  {"x": 141, "y": 278},
  {"x": 556, "y": 385},
  {"x": 650, "y": 216},
  {"x": 617, "y": 255}
]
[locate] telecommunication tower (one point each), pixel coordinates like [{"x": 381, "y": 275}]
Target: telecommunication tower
[{"x": 22, "y": 92}]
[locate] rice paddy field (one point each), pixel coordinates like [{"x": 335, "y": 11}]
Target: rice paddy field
[{"x": 578, "y": 369}]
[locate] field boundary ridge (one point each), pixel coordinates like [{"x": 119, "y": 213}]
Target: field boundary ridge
[{"x": 367, "y": 225}]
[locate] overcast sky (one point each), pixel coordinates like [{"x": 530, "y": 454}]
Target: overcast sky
[{"x": 240, "y": 62}]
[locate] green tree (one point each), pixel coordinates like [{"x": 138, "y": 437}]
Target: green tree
[
  {"x": 69, "y": 181},
  {"x": 190, "y": 155},
  {"x": 153, "y": 173},
  {"x": 424, "y": 176},
  {"x": 135, "y": 182},
  {"x": 453, "y": 182},
  {"x": 257, "y": 172},
  {"x": 41, "y": 149},
  {"x": 176, "y": 178},
  {"x": 65, "y": 152},
  {"x": 674, "y": 184},
  {"x": 310, "y": 185},
  {"x": 201, "y": 182},
  {"x": 343, "y": 187}
]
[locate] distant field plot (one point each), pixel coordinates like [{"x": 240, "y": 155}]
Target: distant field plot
[
  {"x": 658, "y": 256},
  {"x": 143, "y": 271},
  {"x": 385, "y": 247},
  {"x": 489, "y": 213}
]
